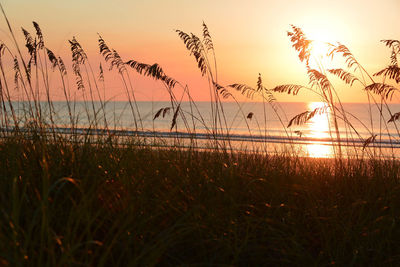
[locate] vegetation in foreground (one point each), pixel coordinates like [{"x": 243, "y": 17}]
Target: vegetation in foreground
[{"x": 101, "y": 205}]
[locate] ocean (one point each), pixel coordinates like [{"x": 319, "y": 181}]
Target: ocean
[{"x": 247, "y": 126}]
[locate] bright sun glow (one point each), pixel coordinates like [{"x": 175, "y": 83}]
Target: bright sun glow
[
  {"x": 319, "y": 128},
  {"x": 319, "y": 49}
]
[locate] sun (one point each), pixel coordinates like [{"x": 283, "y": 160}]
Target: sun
[
  {"x": 319, "y": 49},
  {"x": 319, "y": 46}
]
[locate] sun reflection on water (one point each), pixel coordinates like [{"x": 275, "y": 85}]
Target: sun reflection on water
[{"x": 318, "y": 127}]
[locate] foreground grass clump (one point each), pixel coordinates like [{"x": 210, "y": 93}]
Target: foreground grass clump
[{"x": 101, "y": 205}]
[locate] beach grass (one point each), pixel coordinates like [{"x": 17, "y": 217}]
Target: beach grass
[{"x": 102, "y": 205}]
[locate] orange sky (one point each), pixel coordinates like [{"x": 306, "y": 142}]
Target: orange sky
[{"x": 249, "y": 37}]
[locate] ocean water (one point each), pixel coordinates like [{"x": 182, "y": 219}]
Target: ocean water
[{"x": 266, "y": 130}]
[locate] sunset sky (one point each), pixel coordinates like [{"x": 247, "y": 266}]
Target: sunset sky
[{"x": 250, "y": 37}]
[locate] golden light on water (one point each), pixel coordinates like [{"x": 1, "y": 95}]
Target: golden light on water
[
  {"x": 319, "y": 151},
  {"x": 318, "y": 128}
]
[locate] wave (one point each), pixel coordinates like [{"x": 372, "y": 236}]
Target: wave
[{"x": 387, "y": 141}]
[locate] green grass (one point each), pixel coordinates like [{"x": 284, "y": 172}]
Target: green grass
[{"x": 101, "y": 205}]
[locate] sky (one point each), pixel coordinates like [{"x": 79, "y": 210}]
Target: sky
[{"x": 250, "y": 37}]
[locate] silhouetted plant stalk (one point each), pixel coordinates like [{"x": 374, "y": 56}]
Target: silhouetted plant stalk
[
  {"x": 200, "y": 50},
  {"x": 115, "y": 60},
  {"x": 79, "y": 58},
  {"x": 59, "y": 64},
  {"x": 6, "y": 93},
  {"x": 39, "y": 53}
]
